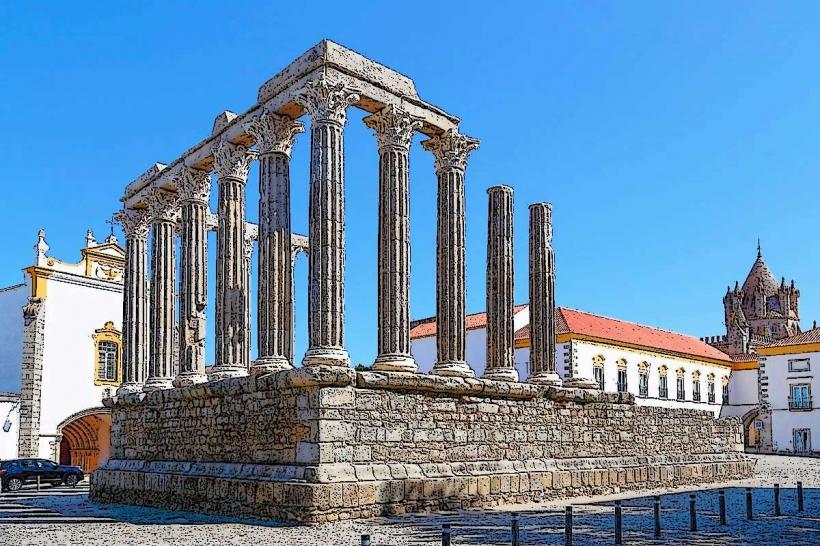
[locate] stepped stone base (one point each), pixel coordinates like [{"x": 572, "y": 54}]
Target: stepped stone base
[{"x": 323, "y": 444}]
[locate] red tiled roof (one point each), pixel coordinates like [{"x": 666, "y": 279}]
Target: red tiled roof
[
  {"x": 427, "y": 327},
  {"x": 744, "y": 357},
  {"x": 572, "y": 321},
  {"x": 809, "y": 336},
  {"x": 523, "y": 332}
]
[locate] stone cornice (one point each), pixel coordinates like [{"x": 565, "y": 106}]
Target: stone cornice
[
  {"x": 326, "y": 100},
  {"x": 450, "y": 149},
  {"x": 232, "y": 160},
  {"x": 393, "y": 127},
  {"x": 274, "y": 132}
]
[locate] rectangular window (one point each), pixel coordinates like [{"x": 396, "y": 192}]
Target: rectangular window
[
  {"x": 107, "y": 361},
  {"x": 622, "y": 385},
  {"x": 800, "y": 398},
  {"x": 711, "y": 391},
  {"x": 643, "y": 384},
  {"x": 726, "y": 393},
  {"x": 663, "y": 388},
  {"x": 681, "y": 392},
  {"x": 696, "y": 390},
  {"x": 799, "y": 365},
  {"x": 802, "y": 440},
  {"x": 598, "y": 371}
]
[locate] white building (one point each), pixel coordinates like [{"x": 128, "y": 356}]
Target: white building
[
  {"x": 60, "y": 354},
  {"x": 659, "y": 367},
  {"x": 788, "y": 378}
]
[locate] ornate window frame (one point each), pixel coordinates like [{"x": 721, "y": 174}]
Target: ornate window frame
[
  {"x": 110, "y": 334},
  {"x": 598, "y": 370}
]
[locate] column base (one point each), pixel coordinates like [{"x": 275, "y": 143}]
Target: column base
[
  {"x": 580, "y": 383},
  {"x": 225, "y": 372},
  {"x": 545, "y": 378},
  {"x": 452, "y": 368},
  {"x": 326, "y": 356},
  {"x": 190, "y": 378},
  {"x": 129, "y": 388},
  {"x": 158, "y": 383},
  {"x": 395, "y": 363},
  {"x": 269, "y": 364},
  {"x": 501, "y": 374}
]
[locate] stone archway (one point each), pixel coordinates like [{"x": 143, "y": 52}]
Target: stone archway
[
  {"x": 85, "y": 438},
  {"x": 751, "y": 436}
]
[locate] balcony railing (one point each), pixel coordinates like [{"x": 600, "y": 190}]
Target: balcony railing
[{"x": 800, "y": 404}]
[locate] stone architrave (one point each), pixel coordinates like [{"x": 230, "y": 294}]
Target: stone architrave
[
  {"x": 394, "y": 130},
  {"x": 194, "y": 188},
  {"x": 542, "y": 297},
  {"x": 135, "y": 344},
  {"x": 275, "y": 135},
  {"x": 231, "y": 164},
  {"x": 451, "y": 150},
  {"x": 500, "y": 271},
  {"x": 326, "y": 103},
  {"x": 164, "y": 209}
]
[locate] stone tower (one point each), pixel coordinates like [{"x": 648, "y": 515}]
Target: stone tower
[{"x": 760, "y": 311}]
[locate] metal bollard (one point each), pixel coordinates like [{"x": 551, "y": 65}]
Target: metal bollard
[
  {"x": 777, "y": 499},
  {"x": 619, "y": 535},
  {"x": 365, "y": 540},
  {"x": 799, "y": 496},
  {"x": 657, "y": 516},
  {"x": 445, "y": 534},
  {"x": 693, "y": 517},
  {"x": 515, "y": 538},
  {"x": 568, "y": 526},
  {"x": 722, "y": 504},
  {"x": 749, "y": 514}
]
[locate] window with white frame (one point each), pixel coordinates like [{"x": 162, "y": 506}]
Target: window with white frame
[
  {"x": 799, "y": 365},
  {"x": 622, "y": 381},
  {"x": 800, "y": 398},
  {"x": 710, "y": 388},
  {"x": 643, "y": 379},
  {"x": 696, "y": 386},
  {"x": 681, "y": 385},
  {"x": 663, "y": 384},
  {"x": 598, "y": 371}
]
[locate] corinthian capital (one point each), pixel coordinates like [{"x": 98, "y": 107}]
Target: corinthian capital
[
  {"x": 393, "y": 127},
  {"x": 193, "y": 185},
  {"x": 274, "y": 132},
  {"x": 232, "y": 160},
  {"x": 134, "y": 222},
  {"x": 163, "y": 205},
  {"x": 326, "y": 100},
  {"x": 450, "y": 149}
]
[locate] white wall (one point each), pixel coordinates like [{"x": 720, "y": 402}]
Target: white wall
[
  {"x": 8, "y": 440},
  {"x": 743, "y": 393},
  {"x": 12, "y": 300},
  {"x": 73, "y": 313},
  {"x": 424, "y": 351},
  {"x": 778, "y": 379}
]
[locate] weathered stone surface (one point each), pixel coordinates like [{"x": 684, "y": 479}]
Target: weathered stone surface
[{"x": 542, "y": 296}]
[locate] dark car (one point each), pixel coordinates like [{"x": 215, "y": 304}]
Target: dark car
[{"x": 15, "y": 473}]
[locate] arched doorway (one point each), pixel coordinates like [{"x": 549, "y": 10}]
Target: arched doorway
[
  {"x": 751, "y": 435},
  {"x": 86, "y": 438}
]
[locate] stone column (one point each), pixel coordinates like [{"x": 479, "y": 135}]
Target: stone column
[
  {"x": 326, "y": 104},
  {"x": 135, "y": 225},
  {"x": 450, "y": 149},
  {"x": 194, "y": 188},
  {"x": 164, "y": 209},
  {"x": 275, "y": 135},
  {"x": 231, "y": 164},
  {"x": 394, "y": 130},
  {"x": 247, "y": 255},
  {"x": 542, "y": 297},
  {"x": 500, "y": 327}
]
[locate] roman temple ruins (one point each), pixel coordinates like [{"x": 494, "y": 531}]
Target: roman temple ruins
[{"x": 321, "y": 441}]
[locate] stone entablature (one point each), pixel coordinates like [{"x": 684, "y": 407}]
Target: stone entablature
[{"x": 323, "y": 443}]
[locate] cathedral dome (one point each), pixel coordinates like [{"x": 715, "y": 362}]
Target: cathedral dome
[{"x": 759, "y": 275}]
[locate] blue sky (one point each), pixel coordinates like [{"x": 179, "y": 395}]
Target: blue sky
[{"x": 668, "y": 135}]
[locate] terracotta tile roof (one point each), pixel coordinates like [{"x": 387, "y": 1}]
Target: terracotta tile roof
[
  {"x": 809, "y": 336},
  {"x": 427, "y": 327},
  {"x": 744, "y": 357},
  {"x": 572, "y": 321},
  {"x": 523, "y": 332}
]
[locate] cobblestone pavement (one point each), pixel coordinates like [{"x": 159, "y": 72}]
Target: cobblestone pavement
[{"x": 66, "y": 516}]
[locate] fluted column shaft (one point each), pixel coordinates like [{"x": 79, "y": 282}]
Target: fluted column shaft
[
  {"x": 194, "y": 188},
  {"x": 275, "y": 135},
  {"x": 542, "y": 296},
  {"x": 326, "y": 104},
  {"x": 500, "y": 274},
  {"x": 451, "y": 150},
  {"x": 161, "y": 364},
  {"x": 231, "y": 163},
  {"x": 394, "y": 131},
  {"x": 135, "y": 342}
]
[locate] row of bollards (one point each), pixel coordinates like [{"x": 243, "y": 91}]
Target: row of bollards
[{"x": 446, "y": 532}]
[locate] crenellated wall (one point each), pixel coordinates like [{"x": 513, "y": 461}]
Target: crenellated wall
[{"x": 322, "y": 444}]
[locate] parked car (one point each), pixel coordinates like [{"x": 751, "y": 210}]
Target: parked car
[{"x": 15, "y": 473}]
